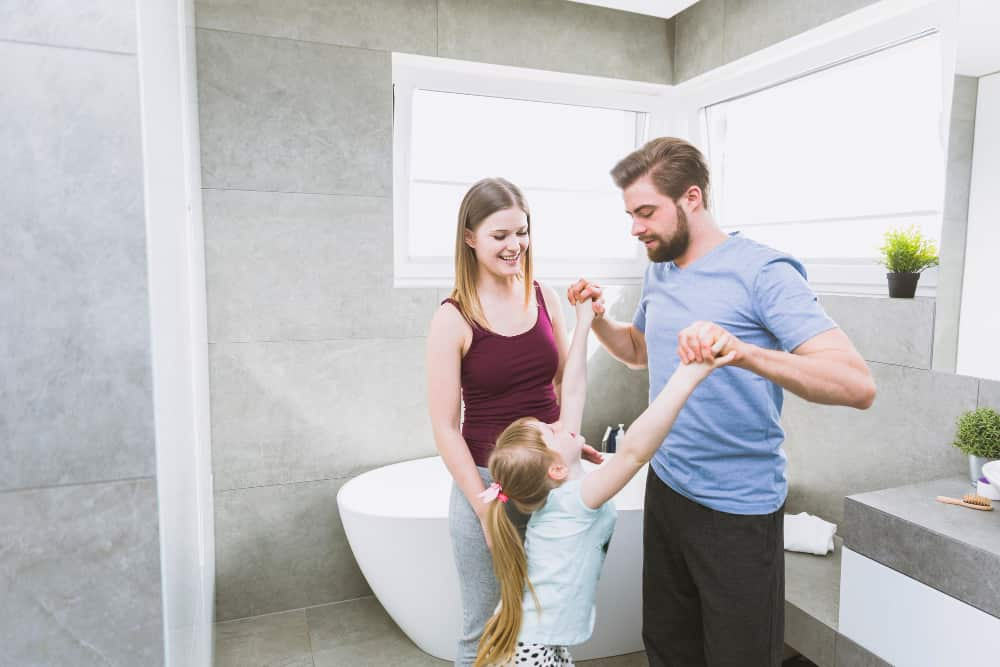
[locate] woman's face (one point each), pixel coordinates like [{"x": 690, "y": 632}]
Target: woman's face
[
  {"x": 500, "y": 242},
  {"x": 565, "y": 443}
]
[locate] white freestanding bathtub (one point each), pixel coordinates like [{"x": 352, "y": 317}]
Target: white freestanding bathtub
[{"x": 396, "y": 519}]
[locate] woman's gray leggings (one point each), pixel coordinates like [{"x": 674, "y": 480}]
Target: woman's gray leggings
[{"x": 479, "y": 588}]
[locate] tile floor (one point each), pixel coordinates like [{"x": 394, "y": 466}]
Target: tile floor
[{"x": 357, "y": 633}]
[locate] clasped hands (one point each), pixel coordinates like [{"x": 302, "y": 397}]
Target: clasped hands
[{"x": 694, "y": 342}]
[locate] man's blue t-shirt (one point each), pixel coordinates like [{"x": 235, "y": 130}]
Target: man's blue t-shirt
[{"x": 724, "y": 450}]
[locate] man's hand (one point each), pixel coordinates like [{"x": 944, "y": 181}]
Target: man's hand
[
  {"x": 588, "y": 453},
  {"x": 696, "y": 371},
  {"x": 582, "y": 290},
  {"x": 695, "y": 344}
]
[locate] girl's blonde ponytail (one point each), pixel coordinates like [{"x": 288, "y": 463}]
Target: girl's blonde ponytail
[{"x": 520, "y": 464}]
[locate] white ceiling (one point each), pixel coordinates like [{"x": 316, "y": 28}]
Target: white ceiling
[
  {"x": 978, "y": 37},
  {"x": 662, "y": 8}
]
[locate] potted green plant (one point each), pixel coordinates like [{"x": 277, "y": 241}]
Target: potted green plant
[
  {"x": 906, "y": 252},
  {"x": 978, "y": 435}
]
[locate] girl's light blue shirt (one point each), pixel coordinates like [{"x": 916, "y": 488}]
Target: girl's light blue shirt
[{"x": 566, "y": 543}]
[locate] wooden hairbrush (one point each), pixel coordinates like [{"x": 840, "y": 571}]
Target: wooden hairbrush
[{"x": 969, "y": 500}]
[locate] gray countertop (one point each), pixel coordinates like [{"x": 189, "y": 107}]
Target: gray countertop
[{"x": 953, "y": 549}]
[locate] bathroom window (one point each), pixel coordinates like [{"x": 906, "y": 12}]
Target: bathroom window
[
  {"x": 556, "y": 136},
  {"x": 822, "y": 165}
]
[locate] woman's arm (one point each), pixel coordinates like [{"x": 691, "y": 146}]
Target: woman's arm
[
  {"x": 445, "y": 343},
  {"x": 647, "y": 432}
]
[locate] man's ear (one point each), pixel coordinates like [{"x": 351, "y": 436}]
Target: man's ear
[
  {"x": 692, "y": 199},
  {"x": 470, "y": 238},
  {"x": 558, "y": 472}
]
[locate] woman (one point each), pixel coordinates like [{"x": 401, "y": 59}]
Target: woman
[{"x": 498, "y": 343}]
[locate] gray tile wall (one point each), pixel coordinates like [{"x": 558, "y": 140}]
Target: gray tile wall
[
  {"x": 955, "y": 222},
  {"x": 317, "y": 363},
  {"x": 712, "y": 33},
  {"x": 557, "y": 35},
  {"x": 79, "y": 565},
  {"x": 905, "y": 436}
]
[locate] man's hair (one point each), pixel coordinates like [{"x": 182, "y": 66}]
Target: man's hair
[{"x": 673, "y": 164}]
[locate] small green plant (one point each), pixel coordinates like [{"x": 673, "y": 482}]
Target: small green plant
[
  {"x": 979, "y": 433},
  {"x": 907, "y": 251}
]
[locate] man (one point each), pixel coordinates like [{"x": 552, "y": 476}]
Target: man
[{"x": 713, "y": 574}]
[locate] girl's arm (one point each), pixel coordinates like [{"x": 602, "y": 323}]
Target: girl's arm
[
  {"x": 647, "y": 432},
  {"x": 444, "y": 396},
  {"x": 574, "y": 384},
  {"x": 559, "y": 333}
]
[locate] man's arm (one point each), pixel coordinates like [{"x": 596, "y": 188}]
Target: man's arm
[
  {"x": 824, "y": 369},
  {"x": 623, "y": 341}
]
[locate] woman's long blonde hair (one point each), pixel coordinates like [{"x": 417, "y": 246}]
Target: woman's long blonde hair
[
  {"x": 481, "y": 201},
  {"x": 520, "y": 464}
]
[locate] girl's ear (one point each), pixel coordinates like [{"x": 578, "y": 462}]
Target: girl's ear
[
  {"x": 470, "y": 238},
  {"x": 558, "y": 472}
]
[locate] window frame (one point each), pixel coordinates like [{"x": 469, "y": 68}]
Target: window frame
[
  {"x": 869, "y": 30},
  {"x": 411, "y": 73}
]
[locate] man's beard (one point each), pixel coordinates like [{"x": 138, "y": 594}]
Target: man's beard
[{"x": 667, "y": 250}]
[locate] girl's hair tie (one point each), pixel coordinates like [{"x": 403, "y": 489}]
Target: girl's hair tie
[{"x": 493, "y": 492}]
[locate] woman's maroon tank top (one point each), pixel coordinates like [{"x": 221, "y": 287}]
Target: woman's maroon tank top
[{"x": 505, "y": 378}]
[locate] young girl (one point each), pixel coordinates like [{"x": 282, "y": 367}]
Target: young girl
[{"x": 548, "y": 584}]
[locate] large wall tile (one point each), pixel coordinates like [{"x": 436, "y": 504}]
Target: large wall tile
[
  {"x": 305, "y": 267},
  {"x": 891, "y": 331},
  {"x": 80, "y": 576},
  {"x": 698, "y": 45},
  {"x": 291, "y": 116},
  {"x": 285, "y": 412},
  {"x": 904, "y": 437},
  {"x": 752, "y": 25},
  {"x": 955, "y": 218},
  {"x": 108, "y": 25},
  {"x": 557, "y": 35},
  {"x": 387, "y": 25},
  {"x": 989, "y": 394},
  {"x": 282, "y": 547},
  {"x": 75, "y": 396},
  {"x": 965, "y": 95},
  {"x": 615, "y": 394}
]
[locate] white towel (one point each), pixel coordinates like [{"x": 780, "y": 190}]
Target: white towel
[{"x": 808, "y": 534}]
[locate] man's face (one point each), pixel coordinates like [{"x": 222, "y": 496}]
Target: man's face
[{"x": 657, "y": 221}]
